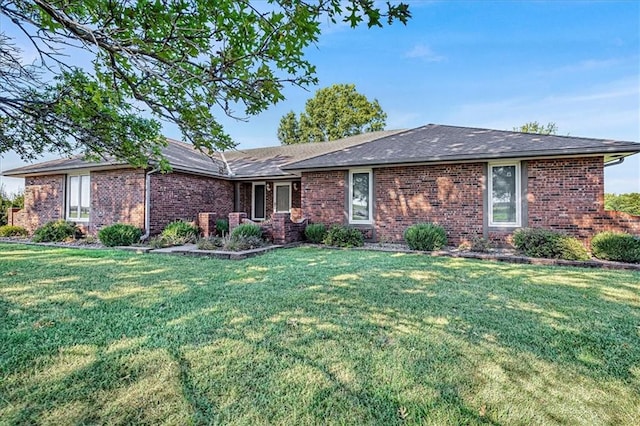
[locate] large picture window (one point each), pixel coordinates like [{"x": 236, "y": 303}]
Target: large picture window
[
  {"x": 78, "y": 197},
  {"x": 504, "y": 194},
  {"x": 360, "y": 190}
]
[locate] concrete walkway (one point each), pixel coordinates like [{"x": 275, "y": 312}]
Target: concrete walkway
[{"x": 175, "y": 249}]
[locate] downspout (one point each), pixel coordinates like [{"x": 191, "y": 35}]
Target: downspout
[
  {"x": 615, "y": 162},
  {"x": 147, "y": 204}
]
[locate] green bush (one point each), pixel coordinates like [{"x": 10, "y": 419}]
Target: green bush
[
  {"x": 12, "y": 231},
  {"x": 119, "y": 234},
  {"x": 616, "y": 246},
  {"x": 425, "y": 237},
  {"x": 56, "y": 231},
  {"x": 247, "y": 230},
  {"x": 222, "y": 227},
  {"x": 180, "y": 232},
  {"x": 537, "y": 242},
  {"x": 243, "y": 242},
  {"x": 343, "y": 236},
  {"x": 315, "y": 232},
  {"x": 210, "y": 243}
]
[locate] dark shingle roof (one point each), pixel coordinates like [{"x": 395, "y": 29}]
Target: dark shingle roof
[
  {"x": 431, "y": 143},
  {"x": 268, "y": 162},
  {"x": 434, "y": 143},
  {"x": 181, "y": 156}
]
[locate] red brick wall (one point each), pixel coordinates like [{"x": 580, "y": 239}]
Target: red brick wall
[
  {"x": 182, "y": 196},
  {"x": 43, "y": 201},
  {"x": 568, "y": 195},
  {"x": 117, "y": 196},
  {"x": 450, "y": 195},
  {"x": 323, "y": 197}
]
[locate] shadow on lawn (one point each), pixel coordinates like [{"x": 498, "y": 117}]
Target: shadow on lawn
[{"x": 346, "y": 337}]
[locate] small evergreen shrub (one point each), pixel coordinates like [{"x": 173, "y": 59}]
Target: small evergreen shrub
[
  {"x": 119, "y": 234},
  {"x": 616, "y": 246},
  {"x": 425, "y": 237},
  {"x": 344, "y": 236},
  {"x": 180, "y": 232},
  {"x": 537, "y": 242},
  {"x": 247, "y": 230},
  {"x": 12, "y": 231},
  {"x": 210, "y": 243},
  {"x": 56, "y": 231},
  {"x": 315, "y": 233},
  {"x": 243, "y": 242},
  {"x": 222, "y": 227}
]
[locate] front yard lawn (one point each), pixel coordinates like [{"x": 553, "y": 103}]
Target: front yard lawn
[{"x": 313, "y": 336}]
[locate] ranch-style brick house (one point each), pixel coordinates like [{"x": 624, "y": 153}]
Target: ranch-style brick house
[{"x": 474, "y": 182}]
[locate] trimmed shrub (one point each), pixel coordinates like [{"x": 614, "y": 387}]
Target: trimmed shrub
[
  {"x": 315, "y": 232},
  {"x": 12, "y": 231},
  {"x": 180, "y": 232},
  {"x": 119, "y": 234},
  {"x": 616, "y": 246},
  {"x": 56, "y": 231},
  {"x": 243, "y": 242},
  {"x": 425, "y": 237},
  {"x": 247, "y": 230},
  {"x": 344, "y": 236},
  {"x": 222, "y": 227},
  {"x": 537, "y": 242},
  {"x": 159, "y": 242},
  {"x": 210, "y": 243}
]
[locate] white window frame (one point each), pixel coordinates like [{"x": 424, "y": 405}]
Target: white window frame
[
  {"x": 518, "y": 191},
  {"x": 68, "y": 196},
  {"x": 253, "y": 200},
  {"x": 275, "y": 196},
  {"x": 350, "y": 201}
]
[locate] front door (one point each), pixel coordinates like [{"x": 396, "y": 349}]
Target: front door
[{"x": 258, "y": 201}]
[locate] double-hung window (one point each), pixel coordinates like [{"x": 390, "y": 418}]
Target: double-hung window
[
  {"x": 504, "y": 194},
  {"x": 78, "y": 197},
  {"x": 360, "y": 196}
]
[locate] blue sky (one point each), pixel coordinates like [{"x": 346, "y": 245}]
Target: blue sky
[{"x": 483, "y": 64}]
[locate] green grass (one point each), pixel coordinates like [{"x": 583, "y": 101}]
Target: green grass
[{"x": 313, "y": 336}]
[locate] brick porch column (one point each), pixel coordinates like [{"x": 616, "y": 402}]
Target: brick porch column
[{"x": 236, "y": 219}]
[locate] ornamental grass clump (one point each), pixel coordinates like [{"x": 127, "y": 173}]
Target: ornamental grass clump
[
  {"x": 222, "y": 227},
  {"x": 617, "y": 246},
  {"x": 179, "y": 232},
  {"x": 119, "y": 234},
  {"x": 315, "y": 233},
  {"x": 425, "y": 237},
  {"x": 247, "y": 230}
]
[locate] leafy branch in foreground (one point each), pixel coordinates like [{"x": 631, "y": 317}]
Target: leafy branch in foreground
[{"x": 168, "y": 60}]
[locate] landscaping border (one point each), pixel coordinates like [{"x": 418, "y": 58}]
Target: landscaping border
[{"x": 239, "y": 255}]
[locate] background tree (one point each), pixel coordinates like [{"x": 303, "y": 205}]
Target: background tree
[
  {"x": 334, "y": 112},
  {"x": 172, "y": 60},
  {"x": 9, "y": 200},
  {"x": 628, "y": 203},
  {"x": 535, "y": 127}
]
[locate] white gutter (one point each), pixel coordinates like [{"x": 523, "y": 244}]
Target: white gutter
[{"x": 147, "y": 203}]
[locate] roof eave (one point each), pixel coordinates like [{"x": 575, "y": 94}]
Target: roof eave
[{"x": 465, "y": 159}]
